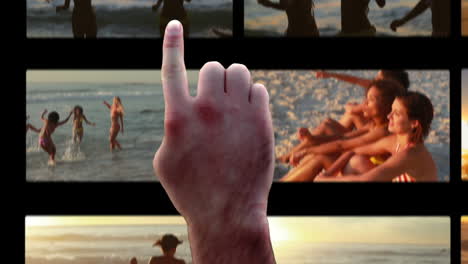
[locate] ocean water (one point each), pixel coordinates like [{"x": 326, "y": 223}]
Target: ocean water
[
  {"x": 263, "y": 21},
  {"x": 117, "y": 245},
  {"x": 125, "y": 18},
  {"x": 92, "y": 160}
]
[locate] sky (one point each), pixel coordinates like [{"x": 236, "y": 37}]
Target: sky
[
  {"x": 401, "y": 230},
  {"x": 99, "y": 76},
  {"x": 465, "y": 94}
]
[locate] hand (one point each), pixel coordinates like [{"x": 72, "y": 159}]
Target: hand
[
  {"x": 216, "y": 159},
  {"x": 396, "y": 23},
  {"x": 297, "y": 157},
  {"x": 93, "y": 124},
  {"x": 302, "y": 133}
]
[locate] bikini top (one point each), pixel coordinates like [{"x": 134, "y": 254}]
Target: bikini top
[{"x": 405, "y": 177}]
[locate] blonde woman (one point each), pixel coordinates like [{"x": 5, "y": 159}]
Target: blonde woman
[{"x": 116, "y": 114}]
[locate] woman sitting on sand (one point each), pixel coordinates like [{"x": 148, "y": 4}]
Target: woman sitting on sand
[
  {"x": 83, "y": 18},
  {"x": 116, "y": 114},
  {"x": 353, "y": 117},
  {"x": 301, "y": 22},
  {"x": 172, "y": 9},
  {"x": 410, "y": 161},
  {"x": 380, "y": 97}
]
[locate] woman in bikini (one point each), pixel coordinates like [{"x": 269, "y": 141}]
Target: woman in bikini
[
  {"x": 353, "y": 117},
  {"x": 83, "y": 18},
  {"x": 116, "y": 114},
  {"x": 78, "y": 119},
  {"x": 45, "y": 136},
  {"x": 312, "y": 160},
  {"x": 410, "y": 161},
  {"x": 301, "y": 21},
  {"x": 172, "y": 9}
]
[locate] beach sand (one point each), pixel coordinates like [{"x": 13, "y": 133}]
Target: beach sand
[
  {"x": 465, "y": 19},
  {"x": 298, "y": 99}
]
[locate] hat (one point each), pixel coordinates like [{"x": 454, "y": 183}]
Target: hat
[{"x": 168, "y": 241}]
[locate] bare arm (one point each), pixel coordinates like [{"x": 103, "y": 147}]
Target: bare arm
[
  {"x": 280, "y": 6},
  {"x": 391, "y": 168},
  {"x": 66, "y": 120},
  {"x": 347, "y": 144},
  {"x": 43, "y": 113},
  {"x": 345, "y": 78},
  {"x": 420, "y": 7},
  {"x": 156, "y": 6},
  {"x": 65, "y": 6},
  {"x": 87, "y": 122},
  {"x": 106, "y": 104},
  {"x": 121, "y": 122},
  {"x": 339, "y": 164},
  {"x": 33, "y": 128}
]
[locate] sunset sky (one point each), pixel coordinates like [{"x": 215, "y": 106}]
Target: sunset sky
[
  {"x": 401, "y": 230},
  {"x": 465, "y": 110}
]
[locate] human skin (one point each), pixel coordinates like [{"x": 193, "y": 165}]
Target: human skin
[{"x": 216, "y": 160}]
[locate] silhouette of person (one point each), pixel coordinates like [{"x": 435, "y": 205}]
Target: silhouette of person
[
  {"x": 83, "y": 18},
  {"x": 172, "y": 9},
  {"x": 440, "y": 16},
  {"x": 168, "y": 244},
  {"x": 301, "y": 22},
  {"x": 354, "y": 20}
]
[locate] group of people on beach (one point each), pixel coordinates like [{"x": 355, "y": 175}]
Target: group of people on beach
[
  {"x": 168, "y": 244},
  {"x": 354, "y": 20},
  {"x": 84, "y": 17},
  {"x": 379, "y": 139},
  {"x": 53, "y": 121}
]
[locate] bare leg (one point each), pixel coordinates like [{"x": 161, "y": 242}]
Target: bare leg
[
  {"x": 358, "y": 164},
  {"x": 310, "y": 168}
]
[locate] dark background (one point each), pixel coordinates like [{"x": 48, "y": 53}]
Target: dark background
[{"x": 123, "y": 198}]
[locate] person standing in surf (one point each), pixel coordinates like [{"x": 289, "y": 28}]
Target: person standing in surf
[
  {"x": 440, "y": 16},
  {"x": 45, "y": 136},
  {"x": 116, "y": 114},
  {"x": 83, "y": 18},
  {"x": 172, "y": 9},
  {"x": 354, "y": 20},
  {"x": 78, "y": 119},
  {"x": 301, "y": 21}
]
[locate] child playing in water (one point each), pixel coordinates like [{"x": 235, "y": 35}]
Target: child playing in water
[
  {"x": 45, "y": 136},
  {"x": 78, "y": 119},
  {"x": 29, "y": 126}
]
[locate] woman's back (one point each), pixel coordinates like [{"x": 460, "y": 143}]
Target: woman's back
[
  {"x": 173, "y": 9},
  {"x": 300, "y": 19}
]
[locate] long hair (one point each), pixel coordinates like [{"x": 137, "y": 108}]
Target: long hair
[
  {"x": 117, "y": 105},
  {"x": 419, "y": 107},
  {"x": 388, "y": 90}
]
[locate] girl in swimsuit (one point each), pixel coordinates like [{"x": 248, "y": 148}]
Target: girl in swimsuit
[
  {"x": 116, "y": 114},
  {"x": 301, "y": 22},
  {"x": 45, "y": 136},
  {"x": 29, "y": 126},
  {"x": 410, "y": 161},
  {"x": 312, "y": 160},
  {"x": 353, "y": 117},
  {"x": 172, "y": 9},
  {"x": 78, "y": 119},
  {"x": 83, "y": 18}
]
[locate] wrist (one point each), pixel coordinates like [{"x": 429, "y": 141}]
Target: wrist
[{"x": 243, "y": 239}]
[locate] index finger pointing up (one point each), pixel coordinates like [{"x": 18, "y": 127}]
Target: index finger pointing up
[{"x": 174, "y": 75}]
